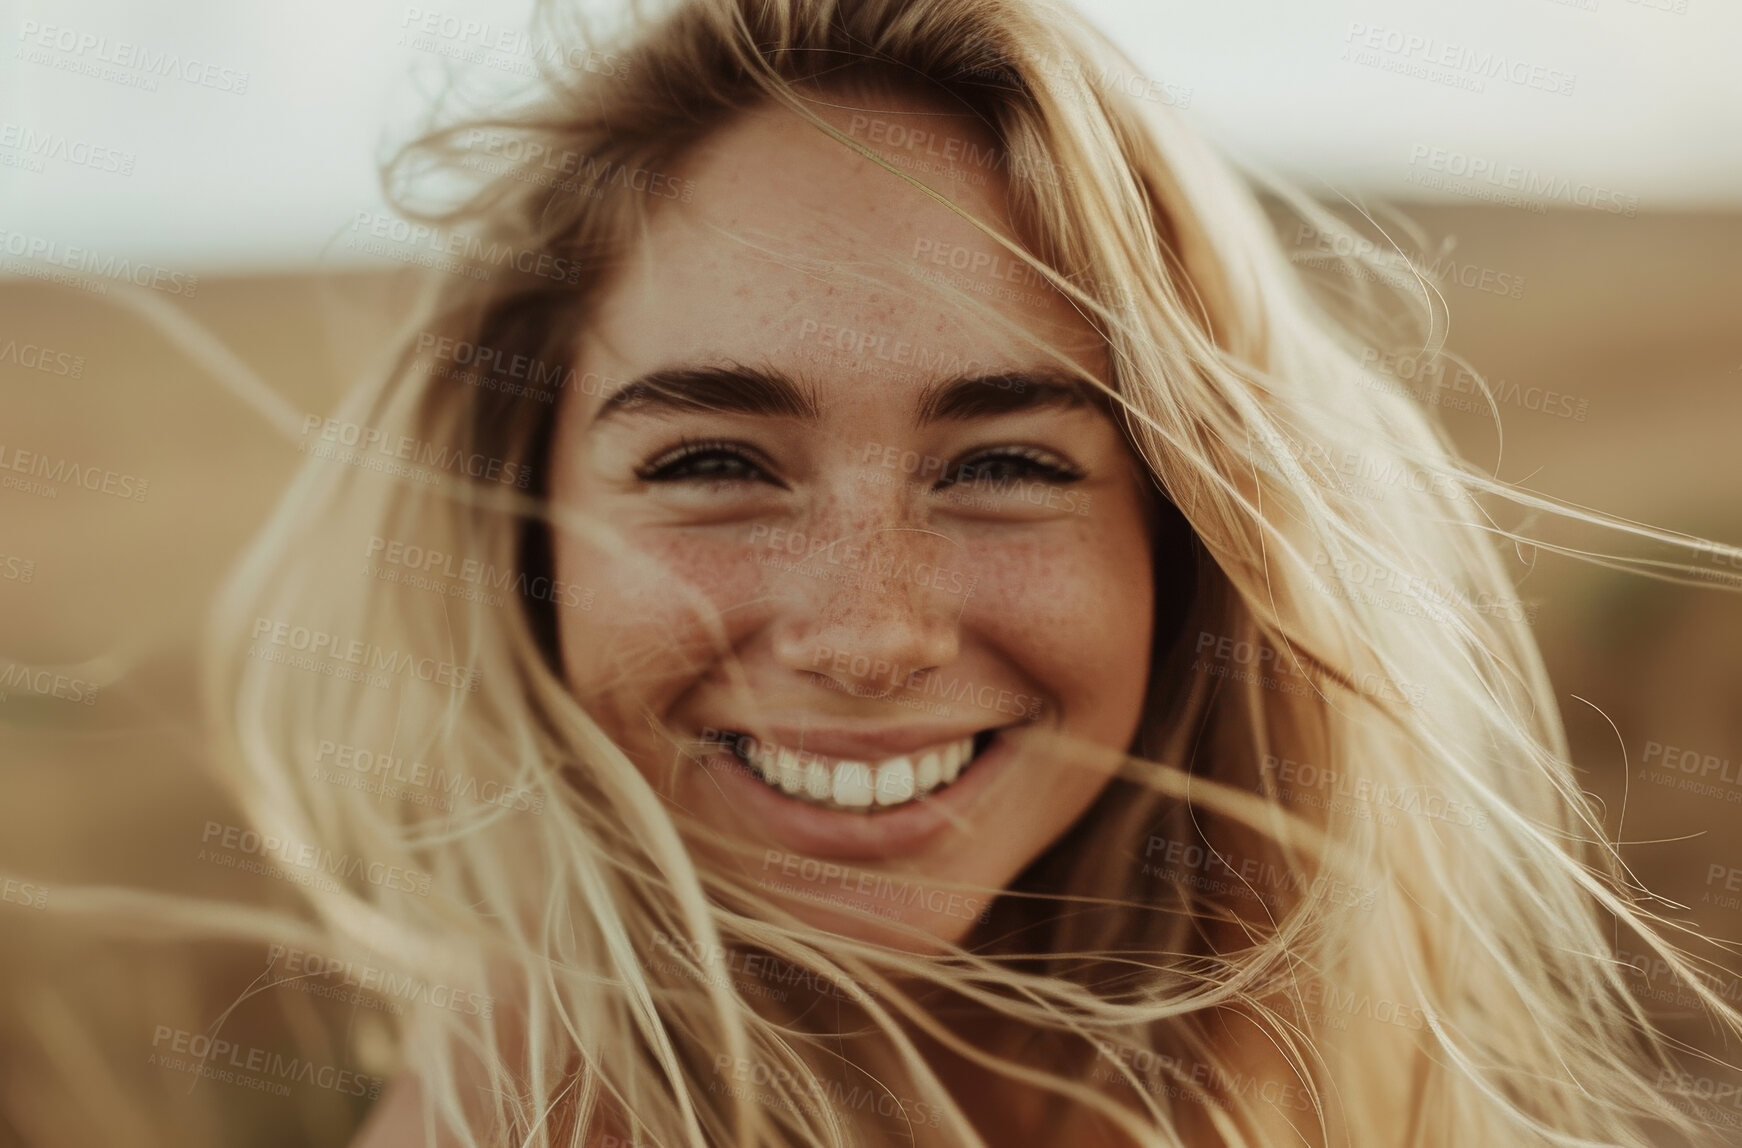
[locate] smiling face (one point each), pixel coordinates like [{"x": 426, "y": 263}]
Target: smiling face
[{"x": 881, "y": 579}]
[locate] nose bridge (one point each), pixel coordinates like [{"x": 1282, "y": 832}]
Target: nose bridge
[{"x": 877, "y": 594}]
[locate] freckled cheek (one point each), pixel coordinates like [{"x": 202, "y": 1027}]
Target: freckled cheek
[
  {"x": 667, "y": 592},
  {"x": 1076, "y": 616}
]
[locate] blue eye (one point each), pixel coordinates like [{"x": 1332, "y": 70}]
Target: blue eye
[
  {"x": 1006, "y": 465},
  {"x": 707, "y": 461}
]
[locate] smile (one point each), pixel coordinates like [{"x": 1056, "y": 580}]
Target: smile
[{"x": 861, "y": 786}]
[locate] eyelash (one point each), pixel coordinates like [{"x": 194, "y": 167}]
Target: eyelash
[
  {"x": 670, "y": 465},
  {"x": 1032, "y": 462},
  {"x": 678, "y": 465}
]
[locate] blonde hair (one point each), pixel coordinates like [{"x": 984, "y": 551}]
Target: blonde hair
[{"x": 1213, "y": 901}]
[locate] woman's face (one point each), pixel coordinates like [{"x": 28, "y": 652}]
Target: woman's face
[{"x": 880, "y": 598}]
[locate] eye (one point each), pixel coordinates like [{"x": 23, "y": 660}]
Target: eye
[
  {"x": 1010, "y": 464},
  {"x": 707, "y": 461}
]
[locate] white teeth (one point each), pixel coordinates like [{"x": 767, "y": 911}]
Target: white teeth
[
  {"x": 853, "y": 784},
  {"x": 817, "y": 783},
  {"x": 953, "y": 759},
  {"x": 929, "y": 771},
  {"x": 895, "y": 781},
  {"x": 791, "y": 773},
  {"x": 857, "y": 784}
]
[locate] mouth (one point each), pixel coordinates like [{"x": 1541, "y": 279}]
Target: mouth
[{"x": 845, "y": 785}]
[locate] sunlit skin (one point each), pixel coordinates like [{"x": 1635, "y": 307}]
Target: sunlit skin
[{"x": 1037, "y": 608}]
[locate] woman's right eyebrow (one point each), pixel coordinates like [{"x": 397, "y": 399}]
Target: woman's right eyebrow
[
  {"x": 727, "y": 389},
  {"x": 766, "y": 393}
]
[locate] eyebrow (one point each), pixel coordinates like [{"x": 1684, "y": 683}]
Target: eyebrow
[{"x": 767, "y": 393}]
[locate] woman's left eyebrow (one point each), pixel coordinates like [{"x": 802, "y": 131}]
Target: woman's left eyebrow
[{"x": 768, "y": 393}]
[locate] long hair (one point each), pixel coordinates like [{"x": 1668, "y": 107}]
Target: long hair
[{"x": 1345, "y": 888}]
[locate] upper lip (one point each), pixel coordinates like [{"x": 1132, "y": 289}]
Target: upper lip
[{"x": 854, "y": 744}]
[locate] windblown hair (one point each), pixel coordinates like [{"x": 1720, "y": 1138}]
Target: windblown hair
[{"x": 1224, "y": 949}]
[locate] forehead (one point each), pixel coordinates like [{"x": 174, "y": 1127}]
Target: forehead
[{"x": 795, "y": 250}]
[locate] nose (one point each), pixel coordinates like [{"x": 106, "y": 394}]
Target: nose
[{"x": 873, "y": 601}]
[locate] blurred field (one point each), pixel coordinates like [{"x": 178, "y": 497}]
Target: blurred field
[{"x": 1635, "y": 318}]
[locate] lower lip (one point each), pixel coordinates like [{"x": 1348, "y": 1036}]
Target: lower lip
[{"x": 896, "y": 832}]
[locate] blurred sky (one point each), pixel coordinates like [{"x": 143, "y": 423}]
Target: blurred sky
[{"x": 268, "y": 176}]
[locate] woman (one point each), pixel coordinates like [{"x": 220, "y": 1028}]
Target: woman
[{"x": 871, "y": 567}]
